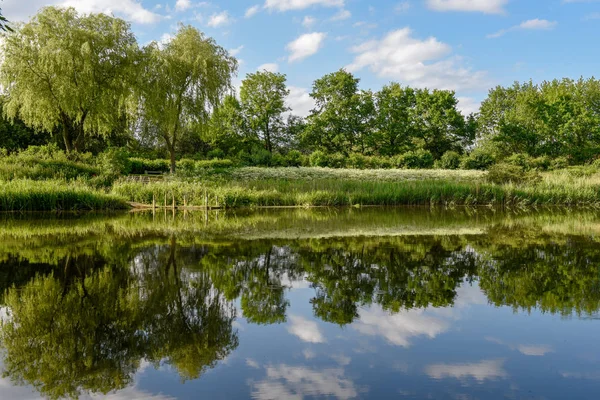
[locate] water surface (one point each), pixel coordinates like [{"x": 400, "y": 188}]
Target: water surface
[{"x": 343, "y": 304}]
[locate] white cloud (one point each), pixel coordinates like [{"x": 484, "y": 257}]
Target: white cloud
[
  {"x": 236, "y": 51},
  {"x": 536, "y": 351},
  {"x": 182, "y": 5},
  {"x": 341, "y": 359},
  {"x": 286, "y": 5},
  {"x": 219, "y": 19},
  {"x": 420, "y": 63},
  {"x": 130, "y": 9},
  {"x": 252, "y": 11},
  {"x": 468, "y": 105},
  {"x": 305, "y": 46},
  {"x": 296, "y": 383},
  {"x": 299, "y": 101},
  {"x": 399, "y": 328},
  {"x": 530, "y": 25},
  {"x": 308, "y": 354},
  {"x": 481, "y": 371},
  {"x": 251, "y": 363},
  {"x": 271, "y": 67},
  {"x": 308, "y": 21},
  {"x": 484, "y": 6},
  {"x": 341, "y": 15},
  {"x": 306, "y": 330},
  {"x": 402, "y": 7}
]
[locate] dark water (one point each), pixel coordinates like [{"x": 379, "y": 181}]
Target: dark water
[{"x": 342, "y": 304}]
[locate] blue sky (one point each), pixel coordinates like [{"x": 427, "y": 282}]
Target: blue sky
[{"x": 465, "y": 45}]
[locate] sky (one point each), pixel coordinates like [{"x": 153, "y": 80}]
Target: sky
[{"x": 468, "y": 46}]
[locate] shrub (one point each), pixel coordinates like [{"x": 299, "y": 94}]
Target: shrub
[
  {"x": 318, "y": 159},
  {"x": 186, "y": 167},
  {"x": 478, "y": 159},
  {"x": 141, "y": 165},
  {"x": 358, "y": 161},
  {"x": 260, "y": 157},
  {"x": 449, "y": 160},
  {"x": 277, "y": 160},
  {"x": 215, "y": 153},
  {"x": 418, "y": 159},
  {"x": 114, "y": 161},
  {"x": 560, "y": 163},
  {"x": 503, "y": 172},
  {"x": 216, "y": 164},
  {"x": 293, "y": 158}
]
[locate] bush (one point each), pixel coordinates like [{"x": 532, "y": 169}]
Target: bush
[
  {"x": 560, "y": 163},
  {"x": 139, "y": 166},
  {"x": 318, "y": 159},
  {"x": 215, "y": 153},
  {"x": 358, "y": 161},
  {"x": 186, "y": 167},
  {"x": 260, "y": 157},
  {"x": 502, "y": 173},
  {"x": 478, "y": 159},
  {"x": 114, "y": 162},
  {"x": 216, "y": 164},
  {"x": 277, "y": 160},
  {"x": 293, "y": 158},
  {"x": 418, "y": 159},
  {"x": 449, "y": 160}
]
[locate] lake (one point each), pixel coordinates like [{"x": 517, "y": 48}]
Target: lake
[{"x": 370, "y": 303}]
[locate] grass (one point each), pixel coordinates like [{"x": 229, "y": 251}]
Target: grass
[
  {"x": 305, "y": 187},
  {"x": 53, "y": 195}
]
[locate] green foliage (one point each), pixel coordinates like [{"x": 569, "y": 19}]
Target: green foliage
[
  {"x": 504, "y": 172},
  {"x": 139, "y": 166},
  {"x": 194, "y": 73},
  {"x": 114, "y": 161},
  {"x": 418, "y": 159},
  {"x": 478, "y": 159},
  {"x": 69, "y": 71},
  {"x": 294, "y": 158},
  {"x": 450, "y": 160}
]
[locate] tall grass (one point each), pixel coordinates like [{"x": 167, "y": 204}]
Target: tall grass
[{"x": 52, "y": 195}]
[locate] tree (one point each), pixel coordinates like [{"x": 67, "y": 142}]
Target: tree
[
  {"x": 227, "y": 130},
  {"x": 263, "y": 100},
  {"x": 69, "y": 71},
  {"x": 393, "y": 123},
  {"x": 182, "y": 81},
  {"x": 4, "y": 24},
  {"x": 332, "y": 125}
]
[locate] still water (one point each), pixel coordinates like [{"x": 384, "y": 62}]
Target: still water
[{"x": 297, "y": 304}]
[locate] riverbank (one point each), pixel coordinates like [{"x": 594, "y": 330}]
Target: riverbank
[{"x": 304, "y": 187}]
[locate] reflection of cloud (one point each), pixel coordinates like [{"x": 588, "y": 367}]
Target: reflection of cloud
[
  {"x": 288, "y": 382},
  {"x": 528, "y": 350},
  {"x": 486, "y": 369},
  {"x": 341, "y": 359},
  {"x": 592, "y": 375},
  {"x": 534, "y": 350},
  {"x": 251, "y": 363},
  {"x": 308, "y": 354},
  {"x": 306, "y": 330},
  {"x": 399, "y": 328}
]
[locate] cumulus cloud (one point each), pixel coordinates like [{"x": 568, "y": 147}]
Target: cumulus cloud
[
  {"x": 484, "y": 6},
  {"x": 536, "y": 351},
  {"x": 270, "y": 67},
  {"x": 291, "y": 382},
  {"x": 308, "y": 21},
  {"x": 250, "y": 12},
  {"x": 130, "y": 9},
  {"x": 417, "y": 62},
  {"x": 287, "y": 5},
  {"x": 219, "y": 19},
  {"x": 341, "y": 15},
  {"x": 182, "y": 5},
  {"x": 530, "y": 25},
  {"x": 481, "y": 371},
  {"x": 306, "y": 330},
  {"x": 299, "y": 101},
  {"x": 305, "y": 46},
  {"x": 399, "y": 328}
]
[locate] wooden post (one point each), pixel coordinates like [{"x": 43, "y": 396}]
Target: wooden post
[
  {"x": 165, "y": 199},
  {"x": 205, "y": 199},
  {"x": 184, "y": 201},
  {"x": 173, "y": 194}
]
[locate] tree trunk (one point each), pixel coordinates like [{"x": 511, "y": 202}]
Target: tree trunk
[
  {"x": 67, "y": 138},
  {"x": 172, "y": 155}
]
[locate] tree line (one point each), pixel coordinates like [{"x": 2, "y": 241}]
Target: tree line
[{"x": 84, "y": 82}]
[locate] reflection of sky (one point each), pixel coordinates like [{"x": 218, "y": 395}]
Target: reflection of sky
[{"x": 470, "y": 351}]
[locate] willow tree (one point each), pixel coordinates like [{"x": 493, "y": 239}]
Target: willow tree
[
  {"x": 67, "y": 71},
  {"x": 183, "y": 81}
]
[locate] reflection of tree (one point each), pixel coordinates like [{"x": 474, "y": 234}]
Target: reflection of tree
[
  {"x": 557, "y": 278},
  {"x": 89, "y": 332}
]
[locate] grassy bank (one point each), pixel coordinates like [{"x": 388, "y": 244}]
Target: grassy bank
[
  {"x": 52, "y": 195},
  {"x": 326, "y": 187}
]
